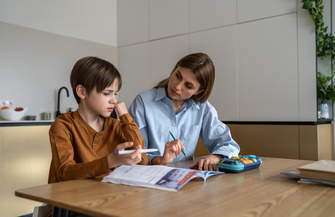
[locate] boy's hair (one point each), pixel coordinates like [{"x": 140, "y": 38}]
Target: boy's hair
[
  {"x": 202, "y": 67},
  {"x": 93, "y": 72}
]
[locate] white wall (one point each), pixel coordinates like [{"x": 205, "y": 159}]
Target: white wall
[
  {"x": 263, "y": 51},
  {"x": 89, "y": 20},
  {"x": 34, "y": 65},
  {"x": 41, "y": 40}
]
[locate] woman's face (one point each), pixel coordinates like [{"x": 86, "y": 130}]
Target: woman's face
[{"x": 183, "y": 84}]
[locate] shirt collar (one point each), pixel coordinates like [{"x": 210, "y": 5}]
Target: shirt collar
[
  {"x": 190, "y": 102},
  {"x": 161, "y": 94}
]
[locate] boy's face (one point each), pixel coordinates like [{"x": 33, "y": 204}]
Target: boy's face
[{"x": 103, "y": 103}]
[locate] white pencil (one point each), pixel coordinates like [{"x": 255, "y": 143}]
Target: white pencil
[{"x": 131, "y": 151}]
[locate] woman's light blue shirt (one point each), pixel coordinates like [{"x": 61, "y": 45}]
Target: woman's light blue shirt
[{"x": 154, "y": 114}]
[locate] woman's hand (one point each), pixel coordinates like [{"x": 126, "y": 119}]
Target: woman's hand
[
  {"x": 171, "y": 151},
  {"x": 120, "y": 108},
  {"x": 124, "y": 159},
  {"x": 209, "y": 163}
]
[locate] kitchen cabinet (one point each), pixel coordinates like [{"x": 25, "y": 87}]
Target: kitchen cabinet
[
  {"x": 25, "y": 157},
  {"x": 294, "y": 141}
]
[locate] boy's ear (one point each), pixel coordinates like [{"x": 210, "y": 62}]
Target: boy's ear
[
  {"x": 199, "y": 91},
  {"x": 81, "y": 91}
]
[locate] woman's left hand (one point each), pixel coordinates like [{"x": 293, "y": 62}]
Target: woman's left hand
[{"x": 209, "y": 163}]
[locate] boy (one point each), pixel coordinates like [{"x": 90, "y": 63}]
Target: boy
[{"x": 82, "y": 142}]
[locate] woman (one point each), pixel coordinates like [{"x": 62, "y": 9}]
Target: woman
[{"x": 179, "y": 104}]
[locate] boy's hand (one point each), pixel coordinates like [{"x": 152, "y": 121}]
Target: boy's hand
[
  {"x": 209, "y": 163},
  {"x": 171, "y": 151},
  {"x": 121, "y": 108},
  {"x": 124, "y": 159},
  {"x": 123, "y": 146}
]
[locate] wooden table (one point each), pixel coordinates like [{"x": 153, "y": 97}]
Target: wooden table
[{"x": 258, "y": 192}]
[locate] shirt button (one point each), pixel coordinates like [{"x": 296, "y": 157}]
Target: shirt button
[
  {"x": 94, "y": 144},
  {"x": 96, "y": 136}
]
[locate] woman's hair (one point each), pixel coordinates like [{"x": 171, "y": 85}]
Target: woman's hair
[
  {"x": 202, "y": 67},
  {"x": 93, "y": 72}
]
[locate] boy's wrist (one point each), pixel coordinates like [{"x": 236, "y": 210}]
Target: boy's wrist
[
  {"x": 111, "y": 161},
  {"x": 156, "y": 160}
]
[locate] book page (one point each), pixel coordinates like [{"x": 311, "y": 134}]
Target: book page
[{"x": 161, "y": 177}]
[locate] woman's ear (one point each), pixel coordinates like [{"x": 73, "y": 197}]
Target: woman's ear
[
  {"x": 81, "y": 91},
  {"x": 199, "y": 91}
]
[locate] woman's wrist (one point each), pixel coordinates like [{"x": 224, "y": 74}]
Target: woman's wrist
[
  {"x": 216, "y": 158},
  {"x": 219, "y": 156}
]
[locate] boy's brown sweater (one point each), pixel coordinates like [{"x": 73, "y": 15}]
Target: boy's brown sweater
[{"x": 79, "y": 152}]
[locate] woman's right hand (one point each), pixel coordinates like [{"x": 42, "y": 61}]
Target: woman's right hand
[
  {"x": 171, "y": 151},
  {"x": 124, "y": 159}
]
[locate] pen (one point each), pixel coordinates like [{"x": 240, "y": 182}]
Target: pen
[
  {"x": 131, "y": 151},
  {"x": 175, "y": 139}
]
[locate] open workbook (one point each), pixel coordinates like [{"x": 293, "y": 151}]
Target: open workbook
[{"x": 159, "y": 177}]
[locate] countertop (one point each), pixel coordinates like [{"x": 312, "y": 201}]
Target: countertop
[{"x": 4, "y": 123}]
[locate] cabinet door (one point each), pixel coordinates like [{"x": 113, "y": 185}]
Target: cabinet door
[
  {"x": 224, "y": 56},
  {"x": 248, "y": 10},
  {"x": 25, "y": 156},
  {"x": 135, "y": 76},
  {"x": 269, "y": 140},
  {"x": 317, "y": 142},
  {"x": 132, "y": 22},
  {"x": 168, "y": 18},
  {"x": 267, "y": 70}
]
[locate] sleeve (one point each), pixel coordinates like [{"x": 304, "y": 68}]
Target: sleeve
[
  {"x": 132, "y": 134},
  {"x": 216, "y": 135},
  {"x": 63, "y": 166},
  {"x": 137, "y": 112}
]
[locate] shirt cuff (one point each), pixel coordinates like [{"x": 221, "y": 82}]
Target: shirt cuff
[
  {"x": 226, "y": 154},
  {"x": 126, "y": 118}
]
